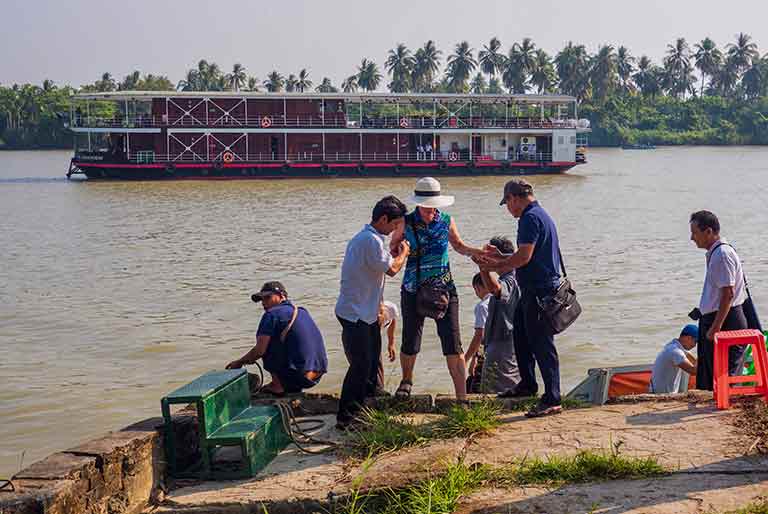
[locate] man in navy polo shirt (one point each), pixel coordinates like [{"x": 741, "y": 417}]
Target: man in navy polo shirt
[
  {"x": 537, "y": 261},
  {"x": 288, "y": 342}
]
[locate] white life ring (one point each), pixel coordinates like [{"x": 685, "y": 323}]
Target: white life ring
[
  {"x": 266, "y": 122},
  {"x": 453, "y": 156},
  {"x": 228, "y": 157},
  {"x": 403, "y": 122}
]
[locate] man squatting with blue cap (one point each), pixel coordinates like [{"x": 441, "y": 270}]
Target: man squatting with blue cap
[{"x": 673, "y": 359}]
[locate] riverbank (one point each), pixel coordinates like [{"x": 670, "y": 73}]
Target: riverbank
[{"x": 707, "y": 464}]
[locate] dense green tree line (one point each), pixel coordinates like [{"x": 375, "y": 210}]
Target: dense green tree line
[{"x": 697, "y": 94}]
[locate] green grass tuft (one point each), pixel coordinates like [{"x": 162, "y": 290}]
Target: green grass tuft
[
  {"x": 467, "y": 420},
  {"x": 440, "y": 493},
  {"x": 587, "y": 466},
  {"x": 384, "y": 430}
]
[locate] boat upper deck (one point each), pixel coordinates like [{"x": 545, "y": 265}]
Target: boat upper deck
[{"x": 147, "y": 111}]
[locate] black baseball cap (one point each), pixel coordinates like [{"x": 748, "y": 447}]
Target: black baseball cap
[
  {"x": 267, "y": 289},
  {"x": 516, "y": 187}
]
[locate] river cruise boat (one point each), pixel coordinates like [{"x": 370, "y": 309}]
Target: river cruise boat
[{"x": 224, "y": 135}]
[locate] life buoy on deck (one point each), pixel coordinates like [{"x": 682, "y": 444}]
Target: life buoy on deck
[
  {"x": 398, "y": 169},
  {"x": 404, "y": 122},
  {"x": 361, "y": 168},
  {"x": 170, "y": 168},
  {"x": 442, "y": 165},
  {"x": 266, "y": 122},
  {"x": 453, "y": 156},
  {"x": 228, "y": 157}
]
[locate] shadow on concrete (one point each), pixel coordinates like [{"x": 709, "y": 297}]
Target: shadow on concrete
[
  {"x": 703, "y": 486},
  {"x": 672, "y": 416}
]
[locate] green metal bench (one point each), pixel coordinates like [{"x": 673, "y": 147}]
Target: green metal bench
[{"x": 225, "y": 418}]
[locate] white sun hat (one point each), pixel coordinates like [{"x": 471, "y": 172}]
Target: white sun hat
[{"x": 427, "y": 194}]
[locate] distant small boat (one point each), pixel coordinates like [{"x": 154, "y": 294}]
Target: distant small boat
[{"x": 638, "y": 147}]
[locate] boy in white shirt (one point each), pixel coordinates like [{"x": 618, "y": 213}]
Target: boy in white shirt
[
  {"x": 673, "y": 359},
  {"x": 473, "y": 355},
  {"x": 388, "y": 314}
]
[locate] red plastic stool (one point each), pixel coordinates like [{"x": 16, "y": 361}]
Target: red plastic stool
[{"x": 722, "y": 382}]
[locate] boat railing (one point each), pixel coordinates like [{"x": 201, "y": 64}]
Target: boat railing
[
  {"x": 458, "y": 156},
  {"x": 331, "y": 121}
]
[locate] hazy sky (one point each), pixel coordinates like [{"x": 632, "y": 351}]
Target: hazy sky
[{"x": 74, "y": 41}]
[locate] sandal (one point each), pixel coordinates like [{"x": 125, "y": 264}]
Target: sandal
[{"x": 404, "y": 390}]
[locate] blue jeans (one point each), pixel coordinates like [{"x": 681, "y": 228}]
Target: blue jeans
[{"x": 534, "y": 343}]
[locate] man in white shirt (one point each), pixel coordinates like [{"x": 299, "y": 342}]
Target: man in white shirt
[
  {"x": 673, "y": 360},
  {"x": 366, "y": 261},
  {"x": 722, "y": 296}
]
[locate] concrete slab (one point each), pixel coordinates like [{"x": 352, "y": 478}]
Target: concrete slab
[{"x": 687, "y": 437}]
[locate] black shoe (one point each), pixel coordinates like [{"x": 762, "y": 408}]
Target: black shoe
[
  {"x": 517, "y": 392},
  {"x": 542, "y": 409}
]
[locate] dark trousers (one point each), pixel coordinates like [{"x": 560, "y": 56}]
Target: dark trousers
[
  {"x": 362, "y": 346},
  {"x": 534, "y": 343},
  {"x": 705, "y": 353}
]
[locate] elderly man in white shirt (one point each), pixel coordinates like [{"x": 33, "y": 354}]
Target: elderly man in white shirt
[
  {"x": 722, "y": 297},
  {"x": 366, "y": 261}
]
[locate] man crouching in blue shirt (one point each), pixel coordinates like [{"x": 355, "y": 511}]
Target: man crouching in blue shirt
[{"x": 288, "y": 342}]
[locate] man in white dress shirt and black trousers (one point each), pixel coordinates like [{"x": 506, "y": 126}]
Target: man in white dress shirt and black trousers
[{"x": 722, "y": 297}]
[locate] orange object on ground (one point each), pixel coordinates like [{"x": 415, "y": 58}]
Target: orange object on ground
[
  {"x": 633, "y": 382},
  {"x": 722, "y": 382}
]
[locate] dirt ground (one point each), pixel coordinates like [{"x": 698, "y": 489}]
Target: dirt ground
[{"x": 700, "y": 445}]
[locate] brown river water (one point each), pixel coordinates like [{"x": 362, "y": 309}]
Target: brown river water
[{"x": 114, "y": 293}]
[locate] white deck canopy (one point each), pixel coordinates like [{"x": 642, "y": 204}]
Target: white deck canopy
[{"x": 349, "y": 97}]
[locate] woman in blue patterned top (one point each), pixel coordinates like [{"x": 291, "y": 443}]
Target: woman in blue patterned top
[{"x": 435, "y": 230}]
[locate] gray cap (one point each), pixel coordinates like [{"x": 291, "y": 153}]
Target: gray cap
[{"x": 516, "y": 187}]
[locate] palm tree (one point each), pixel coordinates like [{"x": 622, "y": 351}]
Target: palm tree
[
  {"x": 625, "y": 67},
  {"x": 526, "y": 54},
  {"x": 106, "y": 83},
  {"x": 490, "y": 58},
  {"x": 543, "y": 74},
  {"x": 644, "y": 78},
  {"x": 303, "y": 81},
  {"x": 604, "y": 72},
  {"x": 350, "y": 84},
  {"x": 237, "y": 78},
  {"x": 572, "y": 65},
  {"x": 290, "y": 83},
  {"x": 494, "y": 86},
  {"x": 400, "y": 64},
  {"x": 515, "y": 76},
  {"x": 742, "y": 52},
  {"x": 130, "y": 82},
  {"x": 460, "y": 65},
  {"x": 708, "y": 59},
  {"x": 726, "y": 77},
  {"x": 191, "y": 82},
  {"x": 677, "y": 66},
  {"x": 274, "y": 82},
  {"x": 426, "y": 66},
  {"x": 326, "y": 86},
  {"x": 368, "y": 75},
  {"x": 253, "y": 84},
  {"x": 755, "y": 78},
  {"x": 478, "y": 85}
]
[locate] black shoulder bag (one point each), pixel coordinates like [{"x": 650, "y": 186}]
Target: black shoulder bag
[
  {"x": 431, "y": 300},
  {"x": 560, "y": 309},
  {"x": 750, "y": 312}
]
